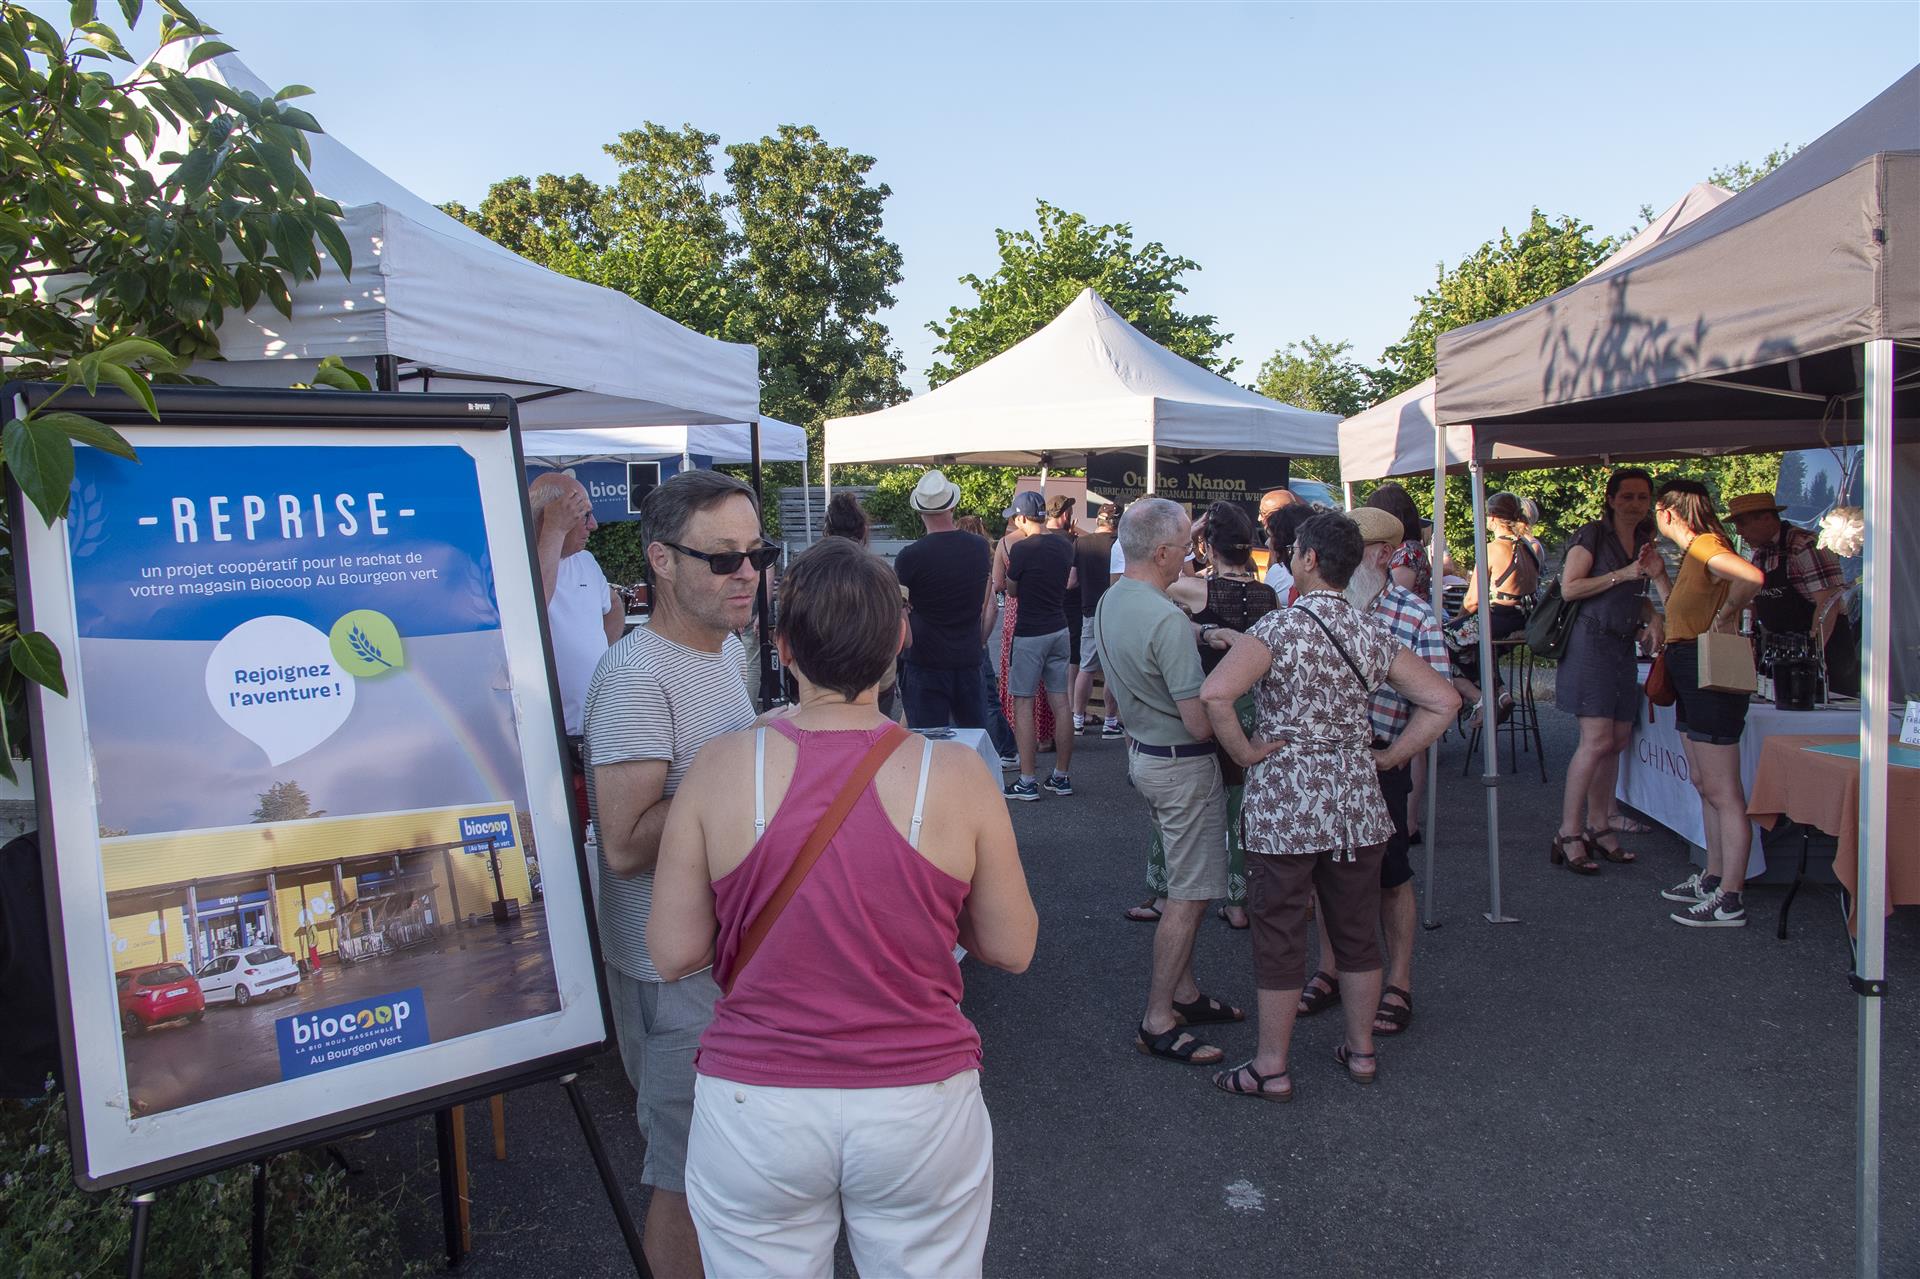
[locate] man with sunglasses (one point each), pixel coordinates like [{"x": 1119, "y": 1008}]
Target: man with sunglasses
[{"x": 658, "y": 696}]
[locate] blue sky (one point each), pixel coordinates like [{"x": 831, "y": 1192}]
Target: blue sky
[{"x": 1316, "y": 160}]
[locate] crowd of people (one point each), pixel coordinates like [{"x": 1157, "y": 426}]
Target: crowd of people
[{"x": 785, "y": 973}]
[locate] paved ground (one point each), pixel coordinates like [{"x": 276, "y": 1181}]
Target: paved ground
[
  {"x": 480, "y": 977},
  {"x": 1591, "y": 1091}
]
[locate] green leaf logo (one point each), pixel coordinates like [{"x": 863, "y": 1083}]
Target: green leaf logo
[{"x": 367, "y": 644}]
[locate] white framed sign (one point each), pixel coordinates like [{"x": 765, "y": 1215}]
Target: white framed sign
[{"x": 307, "y": 680}]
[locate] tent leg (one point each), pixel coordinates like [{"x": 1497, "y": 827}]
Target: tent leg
[
  {"x": 806, "y": 501},
  {"x": 826, "y": 489},
  {"x": 1153, "y": 469},
  {"x": 764, "y": 604},
  {"x": 1346, "y": 493},
  {"x": 686, "y": 462},
  {"x": 1430, "y": 825},
  {"x": 1870, "y": 967},
  {"x": 1489, "y": 740}
]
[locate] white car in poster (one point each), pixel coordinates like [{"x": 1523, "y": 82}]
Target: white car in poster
[{"x": 240, "y": 976}]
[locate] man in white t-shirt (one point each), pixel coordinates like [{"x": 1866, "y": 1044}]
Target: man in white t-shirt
[{"x": 584, "y": 616}]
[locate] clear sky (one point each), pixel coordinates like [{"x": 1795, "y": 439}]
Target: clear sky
[{"x": 1317, "y": 160}]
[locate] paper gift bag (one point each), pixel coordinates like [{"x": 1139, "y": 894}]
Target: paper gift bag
[{"x": 1726, "y": 663}]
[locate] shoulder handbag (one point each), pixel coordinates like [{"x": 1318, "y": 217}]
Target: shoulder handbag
[
  {"x": 1550, "y": 625},
  {"x": 1660, "y": 689},
  {"x": 829, "y": 825}
]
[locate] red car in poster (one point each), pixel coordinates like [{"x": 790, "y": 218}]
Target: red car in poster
[{"x": 155, "y": 993}]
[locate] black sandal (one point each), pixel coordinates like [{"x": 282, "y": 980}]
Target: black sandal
[
  {"x": 1396, "y": 1017},
  {"x": 1320, "y": 993},
  {"x": 1145, "y": 913},
  {"x": 1229, "y": 1081},
  {"x": 1582, "y": 864},
  {"x": 1177, "y": 1045},
  {"x": 1206, "y": 1011},
  {"x": 1616, "y": 854},
  {"x": 1346, "y": 1058}
]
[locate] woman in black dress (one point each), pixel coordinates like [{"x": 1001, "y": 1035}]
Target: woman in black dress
[{"x": 1598, "y": 681}]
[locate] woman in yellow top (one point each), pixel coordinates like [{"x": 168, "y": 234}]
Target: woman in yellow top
[{"x": 1709, "y": 593}]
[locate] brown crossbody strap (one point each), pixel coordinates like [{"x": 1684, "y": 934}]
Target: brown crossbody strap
[{"x": 829, "y": 825}]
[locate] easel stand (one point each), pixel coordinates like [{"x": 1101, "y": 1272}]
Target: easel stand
[{"x": 450, "y": 1141}]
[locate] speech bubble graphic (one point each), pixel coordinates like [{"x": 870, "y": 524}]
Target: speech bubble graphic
[{"x": 275, "y": 682}]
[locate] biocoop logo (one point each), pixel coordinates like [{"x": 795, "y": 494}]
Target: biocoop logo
[{"x": 328, "y": 1038}]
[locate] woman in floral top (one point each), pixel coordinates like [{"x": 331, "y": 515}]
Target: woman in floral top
[{"x": 1315, "y": 818}]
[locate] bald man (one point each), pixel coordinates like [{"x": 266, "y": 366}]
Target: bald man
[
  {"x": 584, "y": 615},
  {"x": 1270, "y": 501}
]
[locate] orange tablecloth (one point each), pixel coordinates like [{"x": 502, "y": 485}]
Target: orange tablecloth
[{"x": 1823, "y": 791}]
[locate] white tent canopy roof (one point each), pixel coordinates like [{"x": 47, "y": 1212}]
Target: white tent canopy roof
[
  {"x": 1396, "y": 436},
  {"x": 441, "y": 296},
  {"x": 1089, "y": 382},
  {"x": 779, "y": 442}
]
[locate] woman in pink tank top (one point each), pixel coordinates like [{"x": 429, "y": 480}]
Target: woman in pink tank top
[{"x": 839, "y": 1076}]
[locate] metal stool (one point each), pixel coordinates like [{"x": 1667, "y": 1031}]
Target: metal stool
[{"x": 1522, "y": 726}]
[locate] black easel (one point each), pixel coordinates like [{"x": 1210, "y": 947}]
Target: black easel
[{"x": 142, "y": 1196}]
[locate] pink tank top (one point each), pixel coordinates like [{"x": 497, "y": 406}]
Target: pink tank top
[{"x": 856, "y": 986}]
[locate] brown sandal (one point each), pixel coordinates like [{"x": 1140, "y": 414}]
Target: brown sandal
[
  {"x": 1581, "y": 864},
  {"x": 1615, "y": 854}
]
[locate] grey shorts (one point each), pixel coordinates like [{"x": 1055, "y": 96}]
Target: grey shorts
[
  {"x": 659, "y": 1025},
  {"x": 1189, "y": 804},
  {"x": 1039, "y": 660},
  {"x": 1089, "y": 651}
]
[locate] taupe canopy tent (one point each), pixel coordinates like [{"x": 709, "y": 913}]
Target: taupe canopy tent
[{"x": 1787, "y": 317}]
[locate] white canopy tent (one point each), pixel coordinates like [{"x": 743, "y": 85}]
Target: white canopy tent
[
  {"x": 1401, "y": 436},
  {"x": 1766, "y": 323},
  {"x": 1087, "y": 383},
  {"x": 779, "y": 442},
  {"x": 435, "y": 305}
]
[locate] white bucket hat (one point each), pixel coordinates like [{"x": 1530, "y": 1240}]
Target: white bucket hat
[{"x": 934, "y": 492}]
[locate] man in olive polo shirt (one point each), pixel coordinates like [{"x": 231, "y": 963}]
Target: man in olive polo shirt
[{"x": 1151, "y": 656}]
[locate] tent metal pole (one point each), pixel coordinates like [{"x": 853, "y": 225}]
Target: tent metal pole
[
  {"x": 806, "y": 500},
  {"x": 762, "y": 590},
  {"x": 826, "y": 488},
  {"x": 686, "y": 461},
  {"x": 1429, "y": 825},
  {"x": 1346, "y": 491},
  {"x": 1153, "y": 469},
  {"x": 1870, "y": 966},
  {"x": 1489, "y": 715}
]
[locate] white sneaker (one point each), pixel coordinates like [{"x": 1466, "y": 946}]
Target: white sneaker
[
  {"x": 1712, "y": 912},
  {"x": 1687, "y": 890}
]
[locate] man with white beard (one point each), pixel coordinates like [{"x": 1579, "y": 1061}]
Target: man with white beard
[{"x": 1409, "y": 621}]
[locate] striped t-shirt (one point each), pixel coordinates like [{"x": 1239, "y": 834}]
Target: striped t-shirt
[{"x": 654, "y": 699}]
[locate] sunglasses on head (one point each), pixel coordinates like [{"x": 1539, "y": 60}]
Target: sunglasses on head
[{"x": 725, "y": 563}]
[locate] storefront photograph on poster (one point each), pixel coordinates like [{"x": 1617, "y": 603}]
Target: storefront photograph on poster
[{"x": 317, "y": 818}]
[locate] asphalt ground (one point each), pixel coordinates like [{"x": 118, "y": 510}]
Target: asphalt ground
[{"x": 1592, "y": 1090}]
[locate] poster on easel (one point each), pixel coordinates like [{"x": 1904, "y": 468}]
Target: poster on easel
[{"x": 304, "y": 802}]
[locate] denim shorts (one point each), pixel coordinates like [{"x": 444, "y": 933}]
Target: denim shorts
[{"x": 1705, "y": 715}]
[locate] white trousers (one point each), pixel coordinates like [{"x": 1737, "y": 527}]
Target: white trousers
[{"x": 770, "y": 1171}]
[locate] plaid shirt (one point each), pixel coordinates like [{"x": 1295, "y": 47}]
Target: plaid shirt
[
  {"x": 1810, "y": 569},
  {"x": 1408, "y": 620}
]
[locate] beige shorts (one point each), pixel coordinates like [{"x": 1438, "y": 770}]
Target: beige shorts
[{"x": 1189, "y": 805}]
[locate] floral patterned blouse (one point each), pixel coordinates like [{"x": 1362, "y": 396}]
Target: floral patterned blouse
[{"x": 1320, "y": 791}]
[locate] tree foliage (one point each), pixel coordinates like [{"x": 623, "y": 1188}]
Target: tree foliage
[
  {"x": 1045, "y": 267},
  {"x": 285, "y": 802},
  {"x": 786, "y": 249},
  {"x": 112, "y": 273}
]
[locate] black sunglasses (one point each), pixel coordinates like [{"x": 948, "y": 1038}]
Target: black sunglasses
[{"x": 725, "y": 563}]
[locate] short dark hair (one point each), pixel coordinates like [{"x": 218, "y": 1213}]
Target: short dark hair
[
  {"x": 1622, "y": 475},
  {"x": 1230, "y": 533},
  {"x": 1281, "y": 527},
  {"x": 846, "y": 517},
  {"x": 840, "y": 616},
  {"x": 1393, "y": 499},
  {"x": 666, "y": 512},
  {"x": 1337, "y": 543}
]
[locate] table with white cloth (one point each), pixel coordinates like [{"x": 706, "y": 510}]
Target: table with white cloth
[
  {"x": 1653, "y": 770},
  {"x": 976, "y": 739}
]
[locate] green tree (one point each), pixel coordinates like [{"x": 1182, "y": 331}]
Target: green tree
[
  {"x": 1317, "y": 374},
  {"x": 1045, "y": 267},
  {"x": 542, "y": 217},
  {"x": 818, "y": 271},
  {"x": 285, "y": 802},
  {"x": 111, "y": 273}
]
